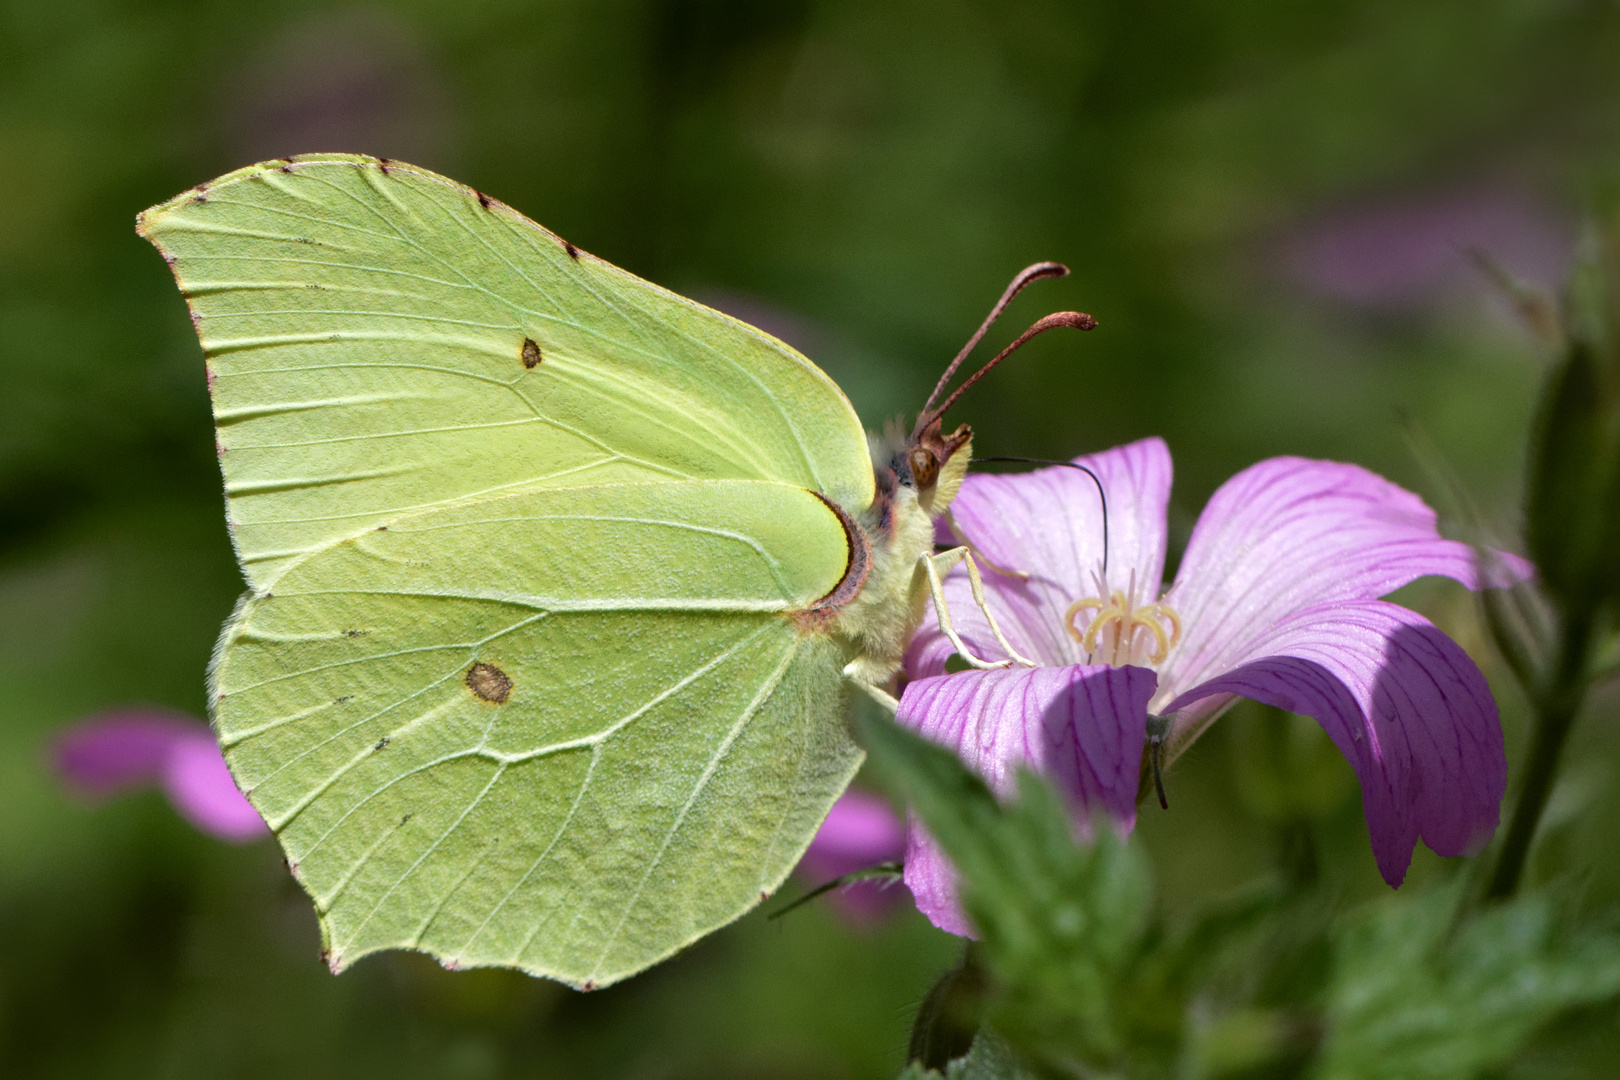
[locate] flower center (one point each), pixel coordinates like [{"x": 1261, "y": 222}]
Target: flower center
[{"x": 1123, "y": 632}]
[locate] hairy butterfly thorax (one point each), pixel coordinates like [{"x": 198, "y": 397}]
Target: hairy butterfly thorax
[{"x": 916, "y": 481}]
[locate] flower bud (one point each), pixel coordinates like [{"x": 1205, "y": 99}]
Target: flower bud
[{"x": 1572, "y": 509}]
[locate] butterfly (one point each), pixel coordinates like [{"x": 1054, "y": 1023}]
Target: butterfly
[{"x": 557, "y": 580}]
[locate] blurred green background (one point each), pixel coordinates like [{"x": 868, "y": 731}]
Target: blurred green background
[{"x": 1266, "y": 203}]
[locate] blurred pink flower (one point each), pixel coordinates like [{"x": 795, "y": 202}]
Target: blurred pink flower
[
  {"x": 861, "y": 831},
  {"x": 117, "y": 751},
  {"x": 1401, "y": 253},
  {"x": 1277, "y": 599}
]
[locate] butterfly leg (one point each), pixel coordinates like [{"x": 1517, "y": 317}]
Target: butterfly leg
[{"x": 933, "y": 566}]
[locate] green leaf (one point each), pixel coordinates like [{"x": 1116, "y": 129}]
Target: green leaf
[
  {"x": 1413, "y": 1000},
  {"x": 1062, "y": 924},
  {"x": 989, "y": 1058}
]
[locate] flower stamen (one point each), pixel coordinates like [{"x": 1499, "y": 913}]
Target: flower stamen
[
  {"x": 1076, "y": 608},
  {"x": 1115, "y": 628}
]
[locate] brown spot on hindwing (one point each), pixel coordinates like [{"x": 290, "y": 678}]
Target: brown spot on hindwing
[
  {"x": 489, "y": 683},
  {"x": 531, "y": 353},
  {"x": 819, "y": 614},
  {"x": 573, "y": 252},
  {"x": 483, "y": 200}
]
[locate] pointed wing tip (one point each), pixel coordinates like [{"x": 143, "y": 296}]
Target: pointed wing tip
[{"x": 145, "y": 220}]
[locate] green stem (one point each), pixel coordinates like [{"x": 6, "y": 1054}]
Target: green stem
[{"x": 1555, "y": 706}]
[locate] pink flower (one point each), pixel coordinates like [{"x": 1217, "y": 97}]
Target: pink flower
[
  {"x": 1403, "y": 252},
  {"x": 118, "y": 751},
  {"x": 1277, "y": 599},
  {"x": 861, "y": 831}
]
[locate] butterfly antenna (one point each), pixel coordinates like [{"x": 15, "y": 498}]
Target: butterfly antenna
[
  {"x": 1101, "y": 497},
  {"x": 1028, "y": 274},
  {"x": 1077, "y": 320}
]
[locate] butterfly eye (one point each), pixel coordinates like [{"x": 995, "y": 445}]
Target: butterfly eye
[{"x": 924, "y": 466}]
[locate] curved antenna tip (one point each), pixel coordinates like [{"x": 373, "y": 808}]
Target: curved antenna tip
[
  {"x": 1032, "y": 272},
  {"x": 1078, "y": 320}
]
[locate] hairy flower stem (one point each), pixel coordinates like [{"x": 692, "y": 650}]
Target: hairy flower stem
[{"x": 1556, "y": 704}]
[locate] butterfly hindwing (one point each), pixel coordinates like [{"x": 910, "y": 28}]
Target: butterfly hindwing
[{"x": 567, "y": 731}]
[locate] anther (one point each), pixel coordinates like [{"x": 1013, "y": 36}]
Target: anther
[{"x": 1120, "y": 614}]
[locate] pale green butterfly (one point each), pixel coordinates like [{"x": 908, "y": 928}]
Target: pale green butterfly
[{"x": 556, "y": 578}]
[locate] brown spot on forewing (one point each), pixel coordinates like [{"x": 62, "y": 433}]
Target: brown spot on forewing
[
  {"x": 531, "y": 353},
  {"x": 489, "y": 683},
  {"x": 817, "y": 617}
]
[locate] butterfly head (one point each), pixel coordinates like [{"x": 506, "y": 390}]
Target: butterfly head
[{"x": 935, "y": 463}]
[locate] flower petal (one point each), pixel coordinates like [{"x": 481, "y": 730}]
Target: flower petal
[
  {"x": 1049, "y": 524},
  {"x": 1082, "y": 727},
  {"x": 200, "y": 786},
  {"x": 1288, "y": 533},
  {"x": 108, "y": 754},
  {"x": 1404, "y": 704},
  {"x": 861, "y": 831},
  {"x": 933, "y": 881}
]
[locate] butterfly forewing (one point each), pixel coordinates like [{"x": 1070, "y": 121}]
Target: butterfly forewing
[
  {"x": 382, "y": 339},
  {"x": 488, "y": 732}
]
